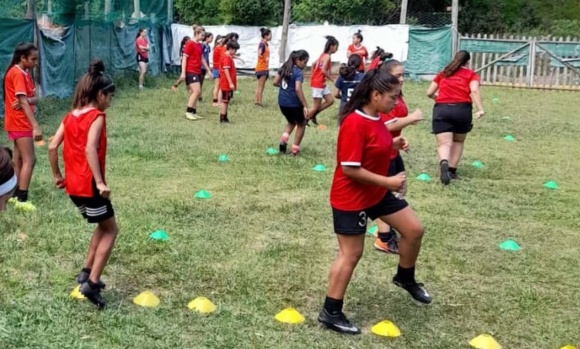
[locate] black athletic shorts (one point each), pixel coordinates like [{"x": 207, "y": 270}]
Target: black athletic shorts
[
  {"x": 355, "y": 222},
  {"x": 94, "y": 209},
  {"x": 456, "y": 118},
  {"x": 202, "y": 76},
  {"x": 261, "y": 73},
  {"x": 227, "y": 96},
  {"x": 294, "y": 115},
  {"x": 191, "y": 78},
  {"x": 396, "y": 166},
  {"x": 142, "y": 59}
]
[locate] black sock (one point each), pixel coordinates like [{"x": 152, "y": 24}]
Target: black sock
[
  {"x": 86, "y": 270},
  {"x": 22, "y": 195},
  {"x": 333, "y": 306},
  {"x": 193, "y": 110},
  {"x": 406, "y": 275},
  {"x": 222, "y": 117},
  {"x": 453, "y": 170},
  {"x": 190, "y": 110},
  {"x": 15, "y": 195},
  {"x": 215, "y": 100},
  {"x": 92, "y": 284},
  {"x": 388, "y": 236}
]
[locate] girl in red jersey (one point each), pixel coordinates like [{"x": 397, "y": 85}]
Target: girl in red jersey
[
  {"x": 84, "y": 133},
  {"x": 20, "y": 124},
  {"x": 378, "y": 57},
  {"x": 7, "y": 177},
  {"x": 396, "y": 120},
  {"x": 454, "y": 90},
  {"x": 142, "y": 47},
  {"x": 356, "y": 48},
  {"x": 191, "y": 69},
  {"x": 361, "y": 190},
  {"x": 321, "y": 73},
  {"x": 263, "y": 65},
  {"x": 181, "y": 48},
  {"x": 218, "y": 51},
  {"x": 228, "y": 82}
]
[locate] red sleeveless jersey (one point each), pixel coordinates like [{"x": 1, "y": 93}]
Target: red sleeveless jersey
[{"x": 77, "y": 171}]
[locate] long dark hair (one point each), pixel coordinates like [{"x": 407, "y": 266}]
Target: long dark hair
[
  {"x": 359, "y": 35},
  {"x": 217, "y": 39},
  {"x": 330, "y": 41},
  {"x": 141, "y": 30},
  {"x": 375, "y": 80},
  {"x": 6, "y": 167},
  {"x": 349, "y": 70},
  {"x": 286, "y": 69},
  {"x": 23, "y": 49},
  {"x": 265, "y": 32},
  {"x": 183, "y": 42},
  {"x": 461, "y": 58},
  {"x": 93, "y": 82}
]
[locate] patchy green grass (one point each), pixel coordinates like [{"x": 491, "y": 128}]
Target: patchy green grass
[{"x": 264, "y": 241}]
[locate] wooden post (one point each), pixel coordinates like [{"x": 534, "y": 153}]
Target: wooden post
[
  {"x": 531, "y": 63},
  {"x": 137, "y": 5},
  {"x": 170, "y": 11},
  {"x": 30, "y": 9},
  {"x": 403, "y": 19},
  {"x": 285, "y": 25},
  {"x": 107, "y": 7},
  {"x": 455, "y": 25}
]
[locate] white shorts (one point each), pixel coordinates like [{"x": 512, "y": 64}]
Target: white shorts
[{"x": 320, "y": 92}]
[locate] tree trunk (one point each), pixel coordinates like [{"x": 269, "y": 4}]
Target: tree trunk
[
  {"x": 30, "y": 9},
  {"x": 285, "y": 24}
]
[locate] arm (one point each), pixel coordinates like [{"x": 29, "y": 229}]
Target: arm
[
  {"x": 53, "y": 156},
  {"x": 91, "y": 152},
  {"x": 336, "y": 93},
  {"x": 229, "y": 78},
  {"x": 432, "y": 90},
  {"x": 363, "y": 176},
  {"x": 205, "y": 65},
  {"x": 476, "y": 97},
  {"x": 300, "y": 94},
  {"x": 326, "y": 72},
  {"x": 25, "y": 106},
  {"x": 277, "y": 80},
  {"x": 183, "y": 66},
  {"x": 400, "y": 123}
]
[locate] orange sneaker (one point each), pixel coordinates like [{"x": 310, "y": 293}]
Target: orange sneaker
[{"x": 391, "y": 247}]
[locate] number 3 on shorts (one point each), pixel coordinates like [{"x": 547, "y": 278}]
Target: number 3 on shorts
[{"x": 363, "y": 219}]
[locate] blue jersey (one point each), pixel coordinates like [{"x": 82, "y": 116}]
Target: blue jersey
[
  {"x": 287, "y": 96},
  {"x": 347, "y": 87},
  {"x": 206, "y": 51}
]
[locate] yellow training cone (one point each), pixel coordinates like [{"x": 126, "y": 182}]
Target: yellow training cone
[
  {"x": 484, "y": 341},
  {"x": 569, "y": 347},
  {"x": 290, "y": 316},
  {"x": 202, "y": 305},
  {"x": 146, "y": 299},
  {"x": 386, "y": 329},
  {"x": 76, "y": 293}
]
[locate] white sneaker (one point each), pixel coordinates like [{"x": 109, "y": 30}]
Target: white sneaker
[{"x": 191, "y": 116}]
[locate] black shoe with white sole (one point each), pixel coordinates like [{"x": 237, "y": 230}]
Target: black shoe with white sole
[
  {"x": 338, "y": 322},
  {"x": 416, "y": 290}
]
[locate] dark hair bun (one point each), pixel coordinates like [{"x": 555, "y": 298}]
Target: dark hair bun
[{"x": 96, "y": 66}]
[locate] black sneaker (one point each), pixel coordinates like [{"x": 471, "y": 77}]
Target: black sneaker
[
  {"x": 93, "y": 294},
  {"x": 338, "y": 322},
  {"x": 283, "y": 147},
  {"x": 416, "y": 290},
  {"x": 84, "y": 277},
  {"x": 314, "y": 121},
  {"x": 454, "y": 176},
  {"x": 444, "y": 176}
]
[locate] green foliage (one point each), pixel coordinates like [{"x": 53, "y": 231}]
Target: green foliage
[
  {"x": 212, "y": 12},
  {"x": 344, "y": 11},
  {"x": 565, "y": 27}
]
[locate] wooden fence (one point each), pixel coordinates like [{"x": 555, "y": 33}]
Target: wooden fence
[{"x": 520, "y": 61}]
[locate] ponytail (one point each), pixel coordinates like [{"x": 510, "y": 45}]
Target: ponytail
[
  {"x": 348, "y": 71},
  {"x": 330, "y": 41},
  {"x": 90, "y": 84},
  {"x": 460, "y": 59},
  {"x": 286, "y": 69},
  {"x": 265, "y": 32},
  {"x": 359, "y": 35},
  {"x": 375, "y": 80}
]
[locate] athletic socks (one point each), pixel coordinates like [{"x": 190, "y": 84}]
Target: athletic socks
[
  {"x": 15, "y": 195},
  {"x": 215, "y": 100},
  {"x": 22, "y": 195},
  {"x": 406, "y": 275},
  {"x": 191, "y": 110},
  {"x": 333, "y": 306},
  {"x": 388, "y": 236},
  {"x": 224, "y": 118},
  {"x": 453, "y": 170}
]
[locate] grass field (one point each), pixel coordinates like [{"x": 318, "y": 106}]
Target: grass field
[{"x": 264, "y": 241}]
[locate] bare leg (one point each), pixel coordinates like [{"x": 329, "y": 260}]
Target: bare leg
[
  {"x": 444, "y": 142},
  {"x": 411, "y": 230},
  {"x": 95, "y": 240},
  {"x": 456, "y": 149},
  {"x": 328, "y": 101},
  {"x": 109, "y": 231},
  {"x": 142, "y": 72},
  {"x": 17, "y": 161},
  {"x": 350, "y": 251},
  {"x": 194, "y": 92},
  {"x": 260, "y": 89},
  {"x": 25, "y": 151}
]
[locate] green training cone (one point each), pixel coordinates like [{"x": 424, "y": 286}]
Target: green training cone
[
  {"x": 223, "y": 158},
  {"x": 509, "y": 245},
  {"x": 373, "y": 230},
  {"x": 477, "y": 164},
  {"x": 319, "y": 168},
  {"x": 202, "y": 194},
  {"x": 271, "y": 151},
  {"x": 509, "y": 138},
  {"x": 506, "y": 118},
  {"x": 159, "y": 235},
  {"x": 551, "y": 185},
  {"x": 495, "y": 100},
  {"x": 424, "y": 177},
  {"x": 236, "y": 92}
]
